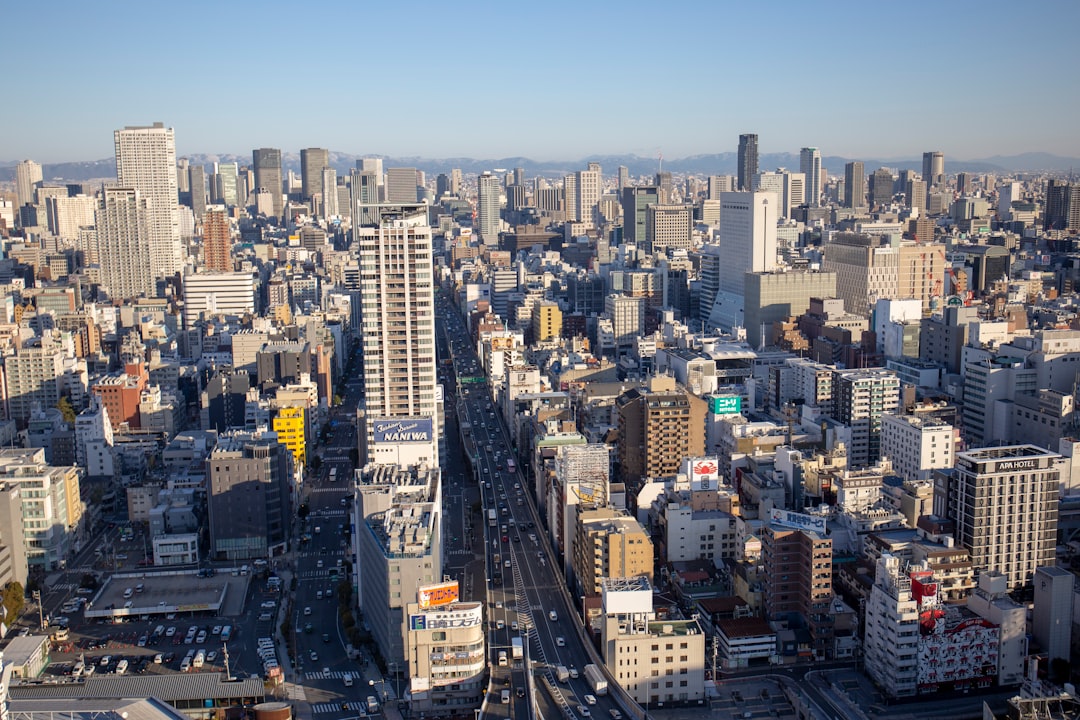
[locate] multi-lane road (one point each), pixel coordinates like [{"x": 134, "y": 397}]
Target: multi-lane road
[{"x": 524, "y": 592}]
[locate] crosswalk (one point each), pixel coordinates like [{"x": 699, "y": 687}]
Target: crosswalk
[
  {"x": 328, "y": 707},
  {"x": 338, "y": 490},
  {"x": 63, "y": 586},
  {"x": 332, "y": 675},
  {"x": 317, "y": 574}
]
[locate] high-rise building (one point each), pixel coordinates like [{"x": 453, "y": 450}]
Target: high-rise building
[
  {"x": 917, "y": 446},
  {"x": 488, "y": 204},
  {"x": 329, "y": 207},
  {"x": 1052, "y": 625},
  {"x": 587, "y": 194},
  {"x": 197, "y": 183},
  {"x": 624, "y": 177},
  {"x": 123, "y": 244},
  {"x": 667, "y": 227},
  {"x": 146, "y": 162},
  {"x": 27, "y": 177},
  {"x": 217, "y": 240},
  {"x": 916, "y": 194},
  {"x": 720, "y": 184},
  {"x": 881, "y": 187},
  {"x": 860, "y": 398},
  {"x": 214, "y": 293},
  {"x": 364, "y": 196},
  {"x": 1004, "y": 502},
  {"x": 609, "y": 543},
  {"x": 67, "y": 214},
  {"x": 775, "y": 296},
  {"x": 635, "y": 200},
  {"x": 33, "y": 376},
  {"x": 933, "y": 168},
  {"x": 747, "y": 244},
  {"x": 248, "y": 479},
  {"x": 399, "y": 415},
  {"x": 51, "y": 506},
  {"x": 748, "y": 161},
  {"x": 798, "y": 579},
  {"x": 401, "y": 185},
  {"x": 312, "y": 162},
  {"x": 810, "y": 167},
  {"x": 1062, "y": 206},
  {"x": 398, "y": 511},
  {"x": 228, "y": 178},
  {"x": 267, "y": 165},
  {"x": 854, "y": 185}
]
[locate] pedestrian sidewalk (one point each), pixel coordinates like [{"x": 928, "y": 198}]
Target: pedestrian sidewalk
[{"x": 294, "y": 690}]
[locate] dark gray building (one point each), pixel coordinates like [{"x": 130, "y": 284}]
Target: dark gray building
[
  {"x": 635, "y": 200},
  {"x": 249, "y": 479},
  {"x": 283, "y": 363},
  {"x": 267, "y": 165},
  {"x": 312, "y": 162},
  {"x": 854, "y": 185},
  {"x": 224, "y": 400},
  {"x": 942, "y": 337},
  {"x": 748, "y": 160}
]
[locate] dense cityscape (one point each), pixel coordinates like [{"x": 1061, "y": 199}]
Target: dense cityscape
[{"x": 303, "y": 436}]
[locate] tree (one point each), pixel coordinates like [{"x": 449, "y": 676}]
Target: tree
[
  {"x": 64, "y": 406},
  {"x": 13, "y": 599}
]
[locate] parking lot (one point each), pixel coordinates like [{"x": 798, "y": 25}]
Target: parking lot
[{"x": 160, "y": 594}]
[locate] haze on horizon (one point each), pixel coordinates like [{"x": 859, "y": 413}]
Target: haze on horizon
[{"x": 552, "y": 81}]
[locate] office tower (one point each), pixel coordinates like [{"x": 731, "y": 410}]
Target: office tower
[
  {"x": 488, "y": 205},
  {"x": 635, "y": 200},
  {"x": 329, "y": 193},
  {"x": 748, "y": 161},
  {"x": 860, "y": 398},
  {"x": 217, "y": 240},
  {"x": 881, "y": 187},
  {"x": 933, "y": 168},
  {"x": 399, "y": 422},
  {"x": 794, "y": 195},
  {"x": 624, "y": 177},
  {"x": 854, "y": 185},
  {"x": 570, "y": 198},
  {"x": 146, "y": 162},
  {"x": 668, "y": 227},
  {"x": 398, "y": 542},
  {"x": 747, "y": 244},
  {"x": 665, "y": 188},
  {"x": 442, "y": 185},
  {"x": 917, "y": 445},
  {"x": 249, "y": 478},
  {"x": 720, "y": 184},
  {"x": 1004, "y": 502},
  {"x": 217, "y": 293},
  {"x": 1062, "y": 206},
  {"x": 123, "y": 241},
  {"x": 197, "y": 182},
  {"x": 916, "y": 194},
  {"x": 455, "y": 181},
  {"x": 27, "y": 177},
  {"x": 798, "y": 580},
  {"x": 1052, "y": 626},
  {"x": 227, "y": 179},
  {"x": 587, "y": 195},
  {"x": 374, "y": 165},
  {"x": 775, "y": 296},
  {"x": 267, "y": 165},
  {"x": 519, "y": 176},
  {"x": 546, "y": 321},
  {"x": 33, "y": 376},
  {"x": 810, "y": 167},
  {"x": 627, "y": 315},
  {"x": 658, "y": 426},
  {"x": 770, "y": 182},
  {"x": 401, "y": 185},
  {"x": 964, "y": 183},
  {"x": 183, "y": 186},
  {"x": 312, "y": 162}
]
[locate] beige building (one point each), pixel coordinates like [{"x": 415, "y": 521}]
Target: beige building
[
  {"x": 447, "y": 655},
  {"x": 658, "y": 426},
  {"x": 654, "y": 660},
  {"x": 546, "y": 321},
  {"x": 610, "y": 543}
]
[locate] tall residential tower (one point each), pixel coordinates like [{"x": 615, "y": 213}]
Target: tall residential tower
[{"x": 146, "y": 162}]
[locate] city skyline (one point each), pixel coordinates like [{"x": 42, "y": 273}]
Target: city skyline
[{"x": 592, "y": 57}]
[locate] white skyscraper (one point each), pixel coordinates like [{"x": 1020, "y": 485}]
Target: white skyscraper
[
  {"x": 747, "y": 244},
  {"x": 330, "y": 197},
  {"x": 124, "y": 250},
  {"x": 399, "y": 415},
  {"x": 27, "y": 175},
  {"x": 810, "y": 167},
  {"x": 488, "y": 190},
  {"x": 587, "y": 194},
  {"x": 146, "y": 161}
]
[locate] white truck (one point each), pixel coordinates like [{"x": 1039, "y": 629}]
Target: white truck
[
  {"x": 562, "y": 673},
  {"x": 517, "y": 648},
  {"x": 596, "y": 679}
]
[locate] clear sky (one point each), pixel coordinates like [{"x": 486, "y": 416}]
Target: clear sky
[{"x": 547, "y": 79}]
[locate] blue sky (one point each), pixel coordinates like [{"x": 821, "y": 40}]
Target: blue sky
[{"x": 553, "y": 79}]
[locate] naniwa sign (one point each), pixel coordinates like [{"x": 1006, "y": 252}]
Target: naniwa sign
[
  {"x": 403, "y": 430},
  {"x": 428, "y": 596},
  {"x": 798, "y": 521}
]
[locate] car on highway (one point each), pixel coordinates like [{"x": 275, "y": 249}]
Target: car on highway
[
  {"x": 560, "y": 641},
  {"x": 583, "y": 711}
]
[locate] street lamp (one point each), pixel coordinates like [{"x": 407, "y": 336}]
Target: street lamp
[{"x": 381, "y": 681}]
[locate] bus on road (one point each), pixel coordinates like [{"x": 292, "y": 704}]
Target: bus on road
[
  {"x": 492, "y": 518},
  {"x": 510, "y": 466}
]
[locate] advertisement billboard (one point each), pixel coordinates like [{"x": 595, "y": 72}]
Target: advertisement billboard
[
  {"x": 470, "y": 616},
  {"x": 798, "y": 521},
  {"x": 704, "y": 473},
  {"x": 401, "y": 430},
  {"x": 437, "y": 595},
  {"x": 725, "y": 404}
]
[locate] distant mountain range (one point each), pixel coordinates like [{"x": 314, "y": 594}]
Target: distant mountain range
[{"x": 716, "y": 164}]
